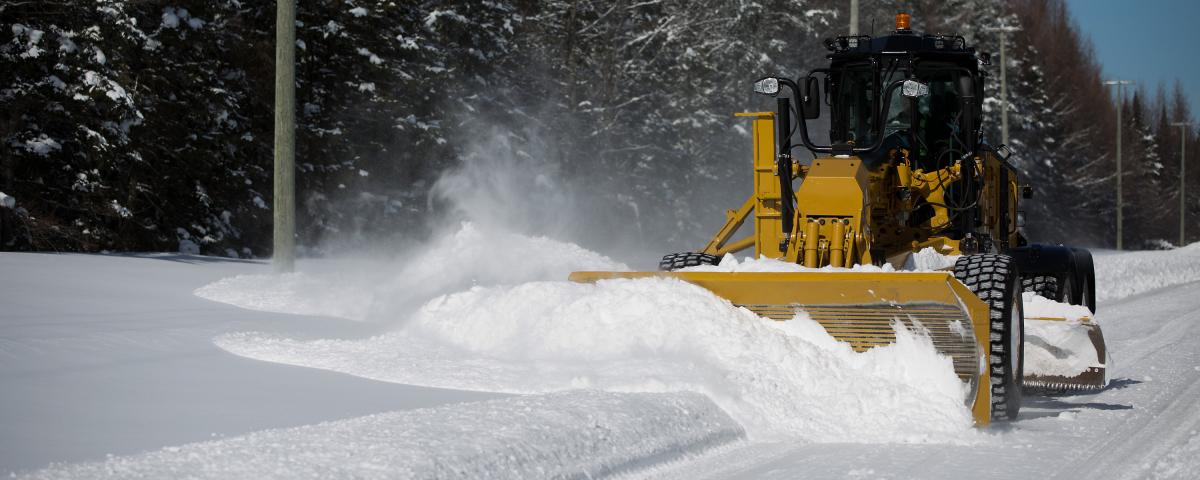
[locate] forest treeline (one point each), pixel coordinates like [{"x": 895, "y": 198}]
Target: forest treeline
[{"x": 147, "y": 126}]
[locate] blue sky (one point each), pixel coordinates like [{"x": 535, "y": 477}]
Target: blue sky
[{"x": 1147, "y": 41}]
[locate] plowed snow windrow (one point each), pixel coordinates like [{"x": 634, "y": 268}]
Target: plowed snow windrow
[{"x": 788, "y": 379}]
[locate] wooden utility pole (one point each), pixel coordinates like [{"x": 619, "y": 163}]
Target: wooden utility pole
[
  {"x": 854, "y": 17},
  {"x": 284, "y": 253},
  {"x": 1004, "y": 30},
  {"x": 1183, "y": 136},
  {"x": 1120, "y": 198}
]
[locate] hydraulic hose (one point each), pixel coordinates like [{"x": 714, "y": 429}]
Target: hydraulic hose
[{"x": 783, "y": 164}]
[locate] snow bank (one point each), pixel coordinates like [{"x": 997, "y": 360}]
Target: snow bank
[
  {"x": 1056, "y": 347},
  {"x": 583, "y": 434},
  {"x": 1122, "y": 274},
  {"x": 474, "y": 312},
  {"x": 786, "y": 379}
]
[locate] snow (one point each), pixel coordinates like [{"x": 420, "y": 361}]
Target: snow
[
  {"x": 927, "y": 260},
  {"x": 7, "y": 201},
  {"x": 1136, "y": 428},
  {"x": 172, "y": 16},
  {"x": 358, "y": 11},
  {"x": 371, "y": 57},
  {"x": 434, "y": 16},
  {"x": 1055, "y": 347},
  {"x": 113, "y": 354},
  {"x": 650, "y": 377},
  {"x": 652, "y": 335},
  {"x": 1120, "y": 275},
  {"x": 42, "y": 145},
  {"x": 578, "y": 434},
  {"x": 730, "y": 263},
  {"x": 334, "y": 295},
  {"x": 520, "y": 335}
]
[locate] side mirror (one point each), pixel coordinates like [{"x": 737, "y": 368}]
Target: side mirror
[{"x": 811, "y": 103}]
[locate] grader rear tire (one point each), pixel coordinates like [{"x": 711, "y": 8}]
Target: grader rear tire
[
  {"x": 995, "y": 280},
  {"x": 1085, "y": 271},
  {"x": 676, "y": 261},
  {"x": 1043, "y": 285}
]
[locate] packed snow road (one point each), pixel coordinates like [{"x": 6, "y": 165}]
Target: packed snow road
[
  {"x": 1145, "y": 425},
  {"x": 407, "y": 369}
]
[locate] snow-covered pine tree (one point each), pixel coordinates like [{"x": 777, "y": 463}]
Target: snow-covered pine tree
[
  {"x": 68, "y": 109},
  {"x": 1145, "y": 215}
]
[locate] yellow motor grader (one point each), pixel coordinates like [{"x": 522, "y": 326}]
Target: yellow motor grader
[{"x": 905, "y": 169}]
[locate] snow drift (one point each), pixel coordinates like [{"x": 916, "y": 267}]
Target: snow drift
[
  {"x": 1123, "y": 274},
  {"x": 568, "y": 435}
]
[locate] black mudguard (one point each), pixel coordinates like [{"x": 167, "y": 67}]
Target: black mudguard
[{"x": 1038, "y": 259}]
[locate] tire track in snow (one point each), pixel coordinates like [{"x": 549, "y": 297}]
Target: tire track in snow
[{"x": 1165, "y": 420}]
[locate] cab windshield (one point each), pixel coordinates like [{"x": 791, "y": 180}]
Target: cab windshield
[{"x": 927, "y": 126}]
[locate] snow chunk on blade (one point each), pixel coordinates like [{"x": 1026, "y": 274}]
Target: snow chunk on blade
[
  {"x": 926, "y": 260},
  {"x": 582, "y": 434},
  {"x": 1060, "y": 347}
]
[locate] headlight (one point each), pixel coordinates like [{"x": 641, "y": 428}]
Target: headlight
[
  {"x": 767, "y": 86},
  {"x": 913, "y": 89}
]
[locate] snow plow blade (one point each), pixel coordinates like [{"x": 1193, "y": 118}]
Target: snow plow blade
[
  {"x": 860, "y": 308},
  {"x": 1064, "y": 355}
]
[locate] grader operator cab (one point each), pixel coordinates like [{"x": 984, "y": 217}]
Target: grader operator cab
[{"x": 904, "y": 169}]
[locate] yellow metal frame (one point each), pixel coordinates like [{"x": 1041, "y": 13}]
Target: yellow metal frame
[{"x": 849, "y": 213}]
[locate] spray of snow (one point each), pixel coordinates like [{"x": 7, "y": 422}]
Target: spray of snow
[
  {"x": 483, "y": 307},
  {"x": 387, "y": 291}
]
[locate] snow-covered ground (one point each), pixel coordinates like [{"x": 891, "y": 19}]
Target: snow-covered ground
[{"x": 407, "y": 368}]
